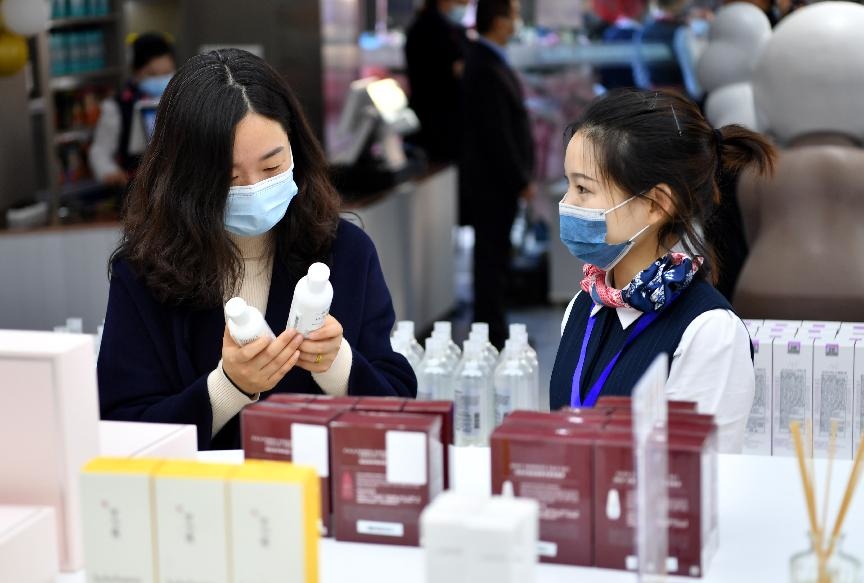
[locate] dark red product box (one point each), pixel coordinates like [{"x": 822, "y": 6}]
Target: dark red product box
[
  {"x": 288, "y": 398},
  {"x": 383, "y": 404},
  {"x": 267, "y": 435},
  {"x": 444, "y": 410},
  {"x": 626, "y": 402},
  {"x": 387, "y": 467},
  {"x": 570, "y": 416},
  {"x": 345, "y": 403},
  {"x": 553, "y": 465},
  {"x": 692, "y": 499}
]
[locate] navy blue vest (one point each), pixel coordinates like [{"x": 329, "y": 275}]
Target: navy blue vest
[{"x": 663, "y": 335}]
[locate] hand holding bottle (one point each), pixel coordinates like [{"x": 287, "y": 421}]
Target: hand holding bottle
[
  {"x": 319, "y": 350},
  {"x": 258, "y": 366}
]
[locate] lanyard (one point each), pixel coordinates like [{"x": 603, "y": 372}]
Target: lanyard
[{"x": 591, "y": 399}]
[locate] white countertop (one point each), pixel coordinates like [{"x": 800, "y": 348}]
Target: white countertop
[{"x": 763, "y": 522}]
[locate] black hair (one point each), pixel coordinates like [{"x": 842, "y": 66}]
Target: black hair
[
  {"x": 641, "y": 139},
  {"x": 173, "y": 225},
  {"x": 489, "y": 10},
  {"x": 149, "y": 46}
]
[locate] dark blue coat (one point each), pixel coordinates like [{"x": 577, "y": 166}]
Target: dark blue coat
[{"x": 155, "y": 358}]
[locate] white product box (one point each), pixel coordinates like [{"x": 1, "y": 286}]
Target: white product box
[
  {"x": 49, "y": 417},
  {"x": 28, "y": 544},
  {"x": 148, "y": 440},
  {"x": 753, "y": 325},
  {"x": 275, "y": 509},
  {"x": 854, "y": 327},
  {"x": 757, "y": 438},
  {"x": 118, "y": 506},
  {"x": 445, "y": 539},
  {"x": 858, "y": 397},
  {"x": 192, "y": 523},
  {"x": 833, "y": 388},
  {"x": 782, "y": 324},
  {"x": 792, "y": 391},
  {"x": 821, "y": 324}
]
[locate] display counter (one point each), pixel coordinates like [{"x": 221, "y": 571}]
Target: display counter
[
  {"x": 52, "y": 273},
  {"x": 763, "y": 522}
]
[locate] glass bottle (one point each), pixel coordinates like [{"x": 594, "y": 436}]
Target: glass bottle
[{"x": 840, "y": 567}]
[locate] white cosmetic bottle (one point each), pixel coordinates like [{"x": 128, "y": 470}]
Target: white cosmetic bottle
[
  {"x": 245, "y": 322},
  {"x": 312, "y": 298}
]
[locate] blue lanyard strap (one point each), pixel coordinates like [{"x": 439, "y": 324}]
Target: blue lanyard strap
[{"x": 591, "y": 399}]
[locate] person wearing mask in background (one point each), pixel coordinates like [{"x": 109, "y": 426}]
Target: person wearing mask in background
[
  {"x": 625, "y": 18},
  {"x": 435, "y": 59},
  {"x": 153, "y": 64},
  {"x": 233, "y": 199},
  {"x": 642, "y": 170},
  {"x": 498, "y": 160},
  {"x": 667, "y": 26}
]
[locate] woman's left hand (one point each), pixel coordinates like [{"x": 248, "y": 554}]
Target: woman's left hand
[{"x": 320, "y": 348}]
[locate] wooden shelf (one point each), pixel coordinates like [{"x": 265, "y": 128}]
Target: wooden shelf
[
  {"x": 78, "y": 80},
  {"x": 62, "y": 23}
]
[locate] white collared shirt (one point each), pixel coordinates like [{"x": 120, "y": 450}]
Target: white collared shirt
[{"x": 711, "y": 366}]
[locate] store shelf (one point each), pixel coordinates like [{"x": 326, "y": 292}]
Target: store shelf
[
  {"x": 83, "y": 134},
  {"x": 70, "y": 82},
  {"x": 62, "y": 23}
]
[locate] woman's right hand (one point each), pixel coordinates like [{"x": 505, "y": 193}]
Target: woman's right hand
[{"x": 260, "y": 365}]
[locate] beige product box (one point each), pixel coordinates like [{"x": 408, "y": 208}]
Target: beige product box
[
  {"x": 792, "y": 391},
  {"x": 833, "y": 389},
  {"x": 148, "y": 440},
  {"x": 118, "y": 505},
  {"x": 858, "y": 397},
  {"x": 49, "y": 419},
  {"x": 28, "y": 544},
  {"x": 757, "y": 437},
  {"x": 192, "y": 520},
  {"x": 275, "y": 510}
]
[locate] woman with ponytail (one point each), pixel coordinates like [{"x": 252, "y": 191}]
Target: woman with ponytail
[{"x": 643, "y": 169}]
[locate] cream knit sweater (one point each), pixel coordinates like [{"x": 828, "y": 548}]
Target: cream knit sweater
[{"x": 225, "y": 400}]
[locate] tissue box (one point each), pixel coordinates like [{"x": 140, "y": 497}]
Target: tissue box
[
  {"x": 386, "y": 468},
  {"x": 275, "y": 510},
  {"x": 193, "y": 526},
  {"x": 119, "y": 509},
  {"x": 148, "y": 440},
  {"x": 554, "y": 465},
  {"x": 49, "y": 419},
  {"x": 28, "y": 544}
]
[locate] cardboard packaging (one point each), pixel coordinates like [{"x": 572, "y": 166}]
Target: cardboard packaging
[
  {"x": 444, "y": 411},
  {"x": 344, "y": 403},
  {"x": 50, "y": 413},
  {"x": 692, "y": 500},
  {"x": 193, "y": 527},
  {"x": 792, "y": 391},
  {"x": 833, "y": 395},
  {"x": 613, "y": 402},
  {"x": 757, "y": 436},
  {"x": 147, "y": 440},
  {"x": 28, "y": 544},
  {"x": 552, "y": 464},
  {"x": 289, "y": 398},
  {"x": 386, "y": 468},
  {"x": 470, "y": 538},
  {"x": 297, "y": 434},
  {"x": 858, "y": 397},
  {"x": 275, "y": 510},
  {"x": 383, "y": 404},
  {"x": 119, "y": 509}
]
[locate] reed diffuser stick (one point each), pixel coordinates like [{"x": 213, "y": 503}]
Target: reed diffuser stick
[
  {"x": 795, "y": 427},
  {"x": 847, "y": 497}
]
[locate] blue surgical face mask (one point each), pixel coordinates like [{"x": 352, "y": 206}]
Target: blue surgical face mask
[
  {"x": 583, "y": 231},
  {"x": 255, "y": 209},
  {"x": 457, "y": 13},
  {"x": 154, "y": 86}
]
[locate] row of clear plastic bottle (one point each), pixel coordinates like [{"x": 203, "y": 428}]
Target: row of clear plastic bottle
[{"x": 484, "y": 385}]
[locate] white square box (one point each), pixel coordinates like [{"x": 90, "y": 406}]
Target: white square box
[
  {"x": 757, "y": 436},
  {"x": 833, "y": 388},
  {"x": 49, "y": 417},
  {"x": 792, "y": 391},
  {"x": 118, "y": 505},
  {"x": 858, "y": 397},
  {"x": 28, "y": 544},
  {"x": 148, "y": 440}
]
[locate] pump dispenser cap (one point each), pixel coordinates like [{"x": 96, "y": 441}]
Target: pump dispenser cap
[
  {"x": 317, "y": 277},
  {"x": 237, "y": 310}
]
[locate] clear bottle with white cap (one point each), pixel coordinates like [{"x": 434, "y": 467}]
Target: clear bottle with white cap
[
  {"x": 480, "y": 331},
  {"x": 407, "y": 327},
  {"x": 435, "y": 381},
  {"x": 401, "y": 344},
  {"x": 313, "y": 295},
  {"x": 472, "y": 392},
  {"x": 444, "y": 329},
  {"x": 513, "y": 381},
  {"x": 245, "y": 322},
  {"x": 519, "y": 333}
]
